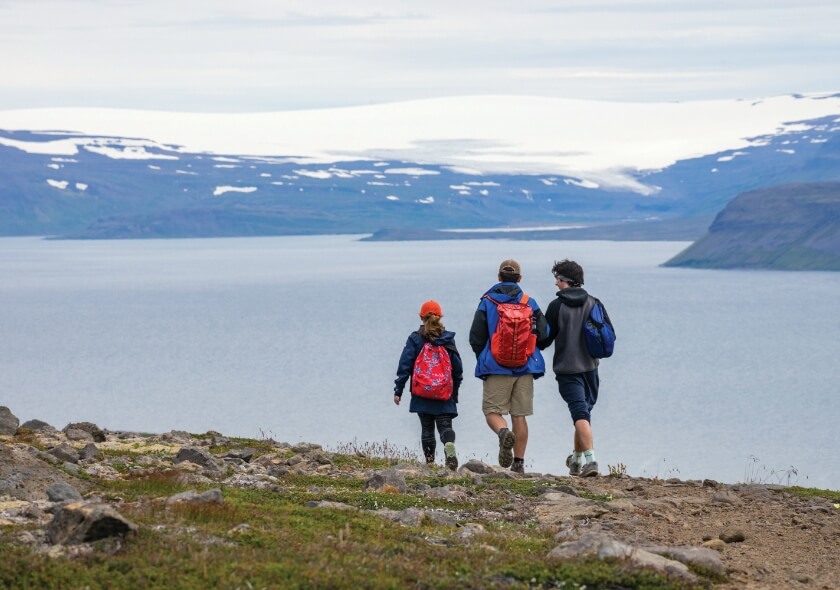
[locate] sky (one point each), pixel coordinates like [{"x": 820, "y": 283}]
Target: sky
[{"x": 246, "y": 56}]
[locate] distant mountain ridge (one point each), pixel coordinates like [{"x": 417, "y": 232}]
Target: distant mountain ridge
[
  {"x": 83, "y": 182},
  {"x": 791, "y": 227}
]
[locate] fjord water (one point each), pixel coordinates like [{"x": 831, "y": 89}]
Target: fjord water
[{"x": 724, "y": 375}]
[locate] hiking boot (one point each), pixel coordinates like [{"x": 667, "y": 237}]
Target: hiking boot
[
  {"x": 574, "y": 468},
  {"x": 451, "y": 457},
  {"x": 518, "y": 466},
  {"x": 506, "y": 442},
  {"x": 590, "y": 470}
]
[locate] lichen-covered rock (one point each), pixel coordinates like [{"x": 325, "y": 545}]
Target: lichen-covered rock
[
  {"x": 391, "y": 477},
  {"x": 198, "y": 457},
  {"x": 213, "y": 496},
  {"x": 80, "y": 522},
  {"x": 89, "y": 427},
  {"x": 62, "y": 492}
]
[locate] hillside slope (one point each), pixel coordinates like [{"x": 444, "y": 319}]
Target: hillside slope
[
  {"x": 790, "y": 227},
  {"x": 209, "y": 511}
]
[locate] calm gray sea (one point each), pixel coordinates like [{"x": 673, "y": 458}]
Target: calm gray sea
[{"x": 725, "y": 375}]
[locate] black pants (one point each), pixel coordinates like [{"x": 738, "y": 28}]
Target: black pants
[{"x": 427, "y": 432}]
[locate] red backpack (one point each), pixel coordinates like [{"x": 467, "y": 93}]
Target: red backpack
[
  {"x": 432, "y": 376},
  {"x": 513, "y": 341}
]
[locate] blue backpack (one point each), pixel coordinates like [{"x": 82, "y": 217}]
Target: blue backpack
[{"x": 598, "y": 332}]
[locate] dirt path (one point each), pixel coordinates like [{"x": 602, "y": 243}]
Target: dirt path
[{"x": 788, "y": 541}]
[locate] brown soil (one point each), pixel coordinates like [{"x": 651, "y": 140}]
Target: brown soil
[{"x": 789, "y": 541}]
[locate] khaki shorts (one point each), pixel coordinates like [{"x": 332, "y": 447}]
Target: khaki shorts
[{"x": 507, "y": 394}]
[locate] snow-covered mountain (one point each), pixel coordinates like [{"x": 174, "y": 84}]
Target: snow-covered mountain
[{"x": 461, "y": 162}]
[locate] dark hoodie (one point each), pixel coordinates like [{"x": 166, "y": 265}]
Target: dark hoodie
[{"x": 565, "y": 316}]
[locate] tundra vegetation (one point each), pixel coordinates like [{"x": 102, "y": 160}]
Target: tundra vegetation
[{"x": 245, "y": 513}]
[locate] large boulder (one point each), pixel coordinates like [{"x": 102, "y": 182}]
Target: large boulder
[
  {"x": 8, "y": 422},
  {"x": 80, "y": 522},
  {"x": 37, "y": 425},
  {"x": 92, "y": 429},
  {"x": 198, "y": 457}
]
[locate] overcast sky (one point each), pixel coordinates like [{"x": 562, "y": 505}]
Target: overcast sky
[{"x": 269, "y": 55}]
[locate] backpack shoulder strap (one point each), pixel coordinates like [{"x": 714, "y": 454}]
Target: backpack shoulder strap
[
  {"x": 604, "y": 310},
  {"x": 523, "y": 300}
]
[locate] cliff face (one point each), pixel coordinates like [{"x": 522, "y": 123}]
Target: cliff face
[{"x": 790, "y": 227}]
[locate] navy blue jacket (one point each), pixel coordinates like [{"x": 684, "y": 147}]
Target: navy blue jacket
[
  {"x": 413, "y": 345},
  {"x": 484, "y": 325}
]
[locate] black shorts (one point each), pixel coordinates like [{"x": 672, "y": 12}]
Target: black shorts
[{"x": 580, "y": 392}]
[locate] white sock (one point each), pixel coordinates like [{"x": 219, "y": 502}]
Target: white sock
[
  {"x": 578, "y": 458},
  {"x": 590, "y": 456}
]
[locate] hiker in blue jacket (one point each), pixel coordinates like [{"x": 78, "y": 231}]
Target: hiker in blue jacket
[
  {"x": 432, "y": 412},
  {"x": 576, "y": 371},
  {"x": 507, "y": 389}
]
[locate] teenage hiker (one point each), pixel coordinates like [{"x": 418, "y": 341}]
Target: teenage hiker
[
  {"x": 508, "y": 360},
  {"x": 575, "y": 368},
  {"x": 430, "y": 360}
]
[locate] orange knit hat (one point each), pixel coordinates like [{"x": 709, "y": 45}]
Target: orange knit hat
[{"x": 431, "y": 306}]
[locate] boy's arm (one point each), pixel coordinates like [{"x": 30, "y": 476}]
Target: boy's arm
[{"x": 550, "y": 329}]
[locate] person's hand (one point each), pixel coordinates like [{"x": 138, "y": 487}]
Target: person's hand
[{"x": 397, "y": 399}]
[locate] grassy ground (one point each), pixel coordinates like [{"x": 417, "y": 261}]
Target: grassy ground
[{"x": 272, "y": 539}]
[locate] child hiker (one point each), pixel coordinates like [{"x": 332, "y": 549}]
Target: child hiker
[{"x": 432, "y": 364}]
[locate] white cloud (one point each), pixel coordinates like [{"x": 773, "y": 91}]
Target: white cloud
[{"x": 300, "y": 55}]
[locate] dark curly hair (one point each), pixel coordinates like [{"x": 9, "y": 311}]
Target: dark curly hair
[{"x": 569, "y": 269}]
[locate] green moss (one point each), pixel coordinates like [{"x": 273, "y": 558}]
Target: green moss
[
  {"x": 357, "y": 462},
  {"x": 270, "y": 538},
  {"x": 832, "y": 495}
]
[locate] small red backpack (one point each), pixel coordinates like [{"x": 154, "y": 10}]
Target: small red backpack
[
  {"x": 514, "y": 341},
  {"x": 432, "y": 376}
]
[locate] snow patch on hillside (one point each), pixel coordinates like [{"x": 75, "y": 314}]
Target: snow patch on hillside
[{"x": 606, "y": 143}]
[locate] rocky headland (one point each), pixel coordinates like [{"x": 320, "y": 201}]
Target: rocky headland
[
  {"x": 790, "y": 227},
  {"x": 83, "y": 506}
]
